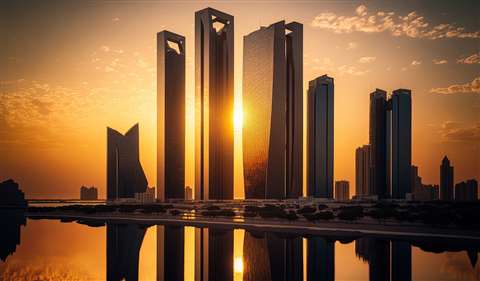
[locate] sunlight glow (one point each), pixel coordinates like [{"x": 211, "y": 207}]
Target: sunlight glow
[
  {"x": 238, "y": 265},
  {"x": 238, "y": 118}
]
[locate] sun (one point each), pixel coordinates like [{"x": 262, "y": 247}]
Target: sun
[
  {"x": 238, "y": 265},
  {"x": 238, "y": 118}
]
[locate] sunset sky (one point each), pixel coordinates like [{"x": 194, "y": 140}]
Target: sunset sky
[{"x": 69, "y": 69}]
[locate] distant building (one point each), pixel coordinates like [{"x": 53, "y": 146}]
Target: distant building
[
  {"x": 466, "y": 190},
  {"x": 170, "y": 116},
  {"x": 11, "y": 195},
  {"x": 125, "y": 175},
  {"x": 273, "y": 102},
  {"x": 362, "y": 171},
  {"x": 320, "y": 105},
  {"x": 146, "y": 197},
  {"x": 446, "y": 180},
  {"x": 88, "y": 193},
  {"x": 214, "y": 65},
  {"x": 420, "y": 191},
  {"x": 188, "y": 193},
  {"x": 342, "y": 190}
]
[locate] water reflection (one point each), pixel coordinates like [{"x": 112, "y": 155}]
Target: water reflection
[
  {"x": 10, "y": 223},
  {"x": 51, "y": 249}
]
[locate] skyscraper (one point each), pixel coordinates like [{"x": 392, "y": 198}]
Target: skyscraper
[
  {"x": 214, "y": 105},
  {"x": 362, "y": 170},
  {"x": 320, "y": 137},
  {"x": 401, "y": 143},
  {"x": 273, "y": 102},
  {"x": 342, "y": 190},
  {"x": 466, "y": 190},
  {"x": 170, "y": 116},
  {"x": 446, "y": 180},
  {"x": 378, "y": 143},
  {"x": 125, "y": 175}
]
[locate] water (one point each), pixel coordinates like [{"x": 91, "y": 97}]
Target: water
[{"x": 53, "y": 250}]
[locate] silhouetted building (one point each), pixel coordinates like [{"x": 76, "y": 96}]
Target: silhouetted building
[
  {"x": 123, "y": 248},
  {"x": 273, "y": 102},
  {"x": 214, "y": 105},
  {"x": 320, "y": 137},
  {"x": 125, "y": 175},
  {"x": 146, "y": 197},
  {"x": 446, "y": 180},
  {"x": 320, "y": 259},
  {"x": 88, "y": 193},
  {"x": 10, "y": 225},
  {"x": 213, "y": 254},
  {"x": 466, "y": 190},
  {"x": 188, "y": 193},
  {"x": 401, "y": 143},
  {"x": 342, "y": 190},
  {"x": 378, "y": 144},
  {"x": 422, "y": 192},
  {"x": 362, "y": 171},
  {"x": 170, "y": 252},
  {"x": 11, "y": 195},
  {"x": 170, "y": 116}
]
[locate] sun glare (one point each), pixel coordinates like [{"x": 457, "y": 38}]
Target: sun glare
[{"x": 238, "y": 118}]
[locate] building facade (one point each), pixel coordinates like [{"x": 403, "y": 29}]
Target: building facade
[
  {"x": 214, "y": 98},
  {"x": 466, "y": 190},
  {"x": 170, "y": 116},
  {"x": 401, "y": 143},
  {"x": 362, "y": 171},
  {"x": 125, "y": 175},
  {"x": 88, "y": 193},
  {"x": 320, "y": 141},
  {"x": 446, "y": 180},
  {"x": 342, "y": 190}
]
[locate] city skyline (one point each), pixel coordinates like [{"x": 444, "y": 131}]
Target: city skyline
[{"x": 49, "y": 110}]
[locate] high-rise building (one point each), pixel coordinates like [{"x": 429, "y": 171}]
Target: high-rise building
[
  {"x": 170, "y": 116},
  {"x": 342, "y": 190},
  {"x": 273, "y": 102},
  {"x": 446, "y": 180},
  {"x": 362, "y": 171},
  {"x": 466, "y": 190},
  {"x": 401, "y": 143},
  {"x": 88, "y": 193},
  {"x": 125, "y": 175},
  {"x": 378, "y": 144},
  {"x": 214, "y": 105},
  {"x": 320, "y": 137}
]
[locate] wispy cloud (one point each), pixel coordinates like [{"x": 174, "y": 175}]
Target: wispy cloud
[
  {"x": 454, "y": 131},
  {"x": 415, "y": 63},
  {"x": 467, "y": 88},
  {"x": 411, "y": 25},
  {"x": 440, "y": 61},
  {"x": 352, "y": 70},
  {"x": 366, "y": 59},
  {"x": 351, "y": 46},
  {"x": 473, "y": 59}
]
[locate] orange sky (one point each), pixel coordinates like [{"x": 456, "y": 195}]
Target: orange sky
[{"x": 69, "y": 70}]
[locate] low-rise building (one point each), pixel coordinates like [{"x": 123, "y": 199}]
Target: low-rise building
[
  {"x": 88, "y": 193},
  {"x": 342, "y": 190},
  {"x": 146, "y": 197},
  {"x": 466, "y": 190}
]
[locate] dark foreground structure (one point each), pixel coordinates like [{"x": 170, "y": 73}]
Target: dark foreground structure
[{"x": 11, "y": 196}]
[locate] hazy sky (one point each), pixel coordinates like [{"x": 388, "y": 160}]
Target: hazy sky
[{"x": 69, "y": 69}]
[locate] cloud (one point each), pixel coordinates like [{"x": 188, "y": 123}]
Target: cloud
[
  {"x": 439, "y": 61},
  {"x": 453, "y": 131},
  {"x": 473, "y": 59},
  {"x": 366, "y": 59},
  {"x": 352, "y": 70},
  {"x": 411, "y": 25},
  {"x": 467, "y": 88},
  {"x": 351, "y": 46},
  {"x": 116, "y": 19},
  {"x": 415, "y": 63},
  {"x": 106, "y": 49}
]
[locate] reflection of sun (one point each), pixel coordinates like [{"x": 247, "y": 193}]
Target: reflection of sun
[
  {"x": 238, "y": 118},
  {"x": 238, "y": 265}
]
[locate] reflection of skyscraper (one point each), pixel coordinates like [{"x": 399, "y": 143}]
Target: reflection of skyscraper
[
  {"x": 376, "y": 252},
  {"x": 320, "y": 259},
  {"x": 401, "y": 143},
  {"x": 125, "y": 175},
  {"x": 10, "y": 225},
  {"x": 213, "y": 254},
  {"x": 170, "y": 115},
  {"x": 446, "y": 180},
  {"x": 214, "y": 105},
  {"x": 123, "y": 248},
  {"x": 170, "y": 252},
  {"x": 378, "y": 143},
  {"x": 256, "y": 260},
  {"x": 362, "y": 170},
  {"x": 320, "y": 137},
  {"x": 401, "y": 261},
  {"x": 273, "y": 104}
]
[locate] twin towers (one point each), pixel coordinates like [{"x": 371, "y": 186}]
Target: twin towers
[{"x": 272, "y": 104}]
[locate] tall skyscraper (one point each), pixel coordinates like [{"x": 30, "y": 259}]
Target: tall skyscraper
[
  {"x": 170, "y": 116},
  {"x": 378, "y": 143},
  {"x": 466, "y": 190},
  {"x": 362, "y": 170},
  {"x": 213, "y": 254},
  {"x": 401, "y": 143},
  {"x": 214, "y": 105},
  {"x": 342, "y": 190},
  {"x": 446, "y": 180},
  {"x": 125, "y": 175},
  {"x": 320, "y": 137},
  {"x": 273, "y": 102}
]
